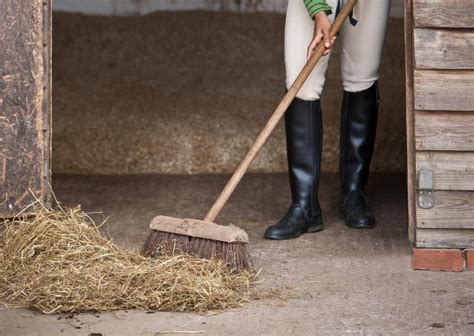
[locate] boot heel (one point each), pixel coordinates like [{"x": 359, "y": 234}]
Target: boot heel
[{"x": 316, "y": 226}]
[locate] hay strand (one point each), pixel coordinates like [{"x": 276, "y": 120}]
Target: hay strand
[{"x": 57, "y": 261}]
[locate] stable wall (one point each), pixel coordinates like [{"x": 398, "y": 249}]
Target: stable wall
[
  {"x": 187, "y": 92},
  {"x": 141, "y": 7}
]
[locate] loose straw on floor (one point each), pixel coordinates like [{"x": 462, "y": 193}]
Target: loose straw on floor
[{"x": 57, "y": 261}]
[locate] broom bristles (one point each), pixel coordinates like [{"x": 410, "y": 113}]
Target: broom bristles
[{"x": 235, "y": 255}]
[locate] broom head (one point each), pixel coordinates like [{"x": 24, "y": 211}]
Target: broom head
[{"x": 206, "y": 240}]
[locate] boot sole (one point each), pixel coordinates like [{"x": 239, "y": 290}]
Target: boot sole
[
  {"x": 371, "y": 224},
  {"x": 311, "y": 229},
  {"x": 315, "y": 228},
  {"x": 363, "y": 226}
]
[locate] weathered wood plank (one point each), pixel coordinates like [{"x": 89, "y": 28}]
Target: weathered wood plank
[
  {"x": 451, "y": 210},
  {"x": 444, "y": 49},
  {"x": 22, "y": 120},
  {"x": 47, "y": 97},
  {"x": 410, "y": 116},
  {"x": 444, "y": 90},
  {"x": 444, "y": 131},
  {"x": 444, "y": 13},
  {"x": 451, "y": 170},
  {"x": 445, "y": 238}
]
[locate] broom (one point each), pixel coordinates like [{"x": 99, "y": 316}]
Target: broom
[{"x": 205, "y": 238}]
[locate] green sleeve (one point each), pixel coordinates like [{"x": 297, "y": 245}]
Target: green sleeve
[{"x": 316, "y": 6}]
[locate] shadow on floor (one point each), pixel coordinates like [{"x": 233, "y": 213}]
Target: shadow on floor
[{"x": 130, "y": 202}]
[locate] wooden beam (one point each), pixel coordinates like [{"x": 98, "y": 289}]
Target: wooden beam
[
  {"x": 453, "y": 131},
  {"x": 445, "y": 238},
  {"x": 24, "y": 120},
  {"x": 410, "y": 124},
  {"x": 47, "y": 99},
  {"x": 444, "y": 90},
  {"x": 451, "y": 170},
  {"x": 451, "y": 210},
  {"x": 444, "y": 13},
  {"x": 444, "y": 49}
]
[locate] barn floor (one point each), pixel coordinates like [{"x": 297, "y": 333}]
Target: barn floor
[{"x": 337, "y": 281}]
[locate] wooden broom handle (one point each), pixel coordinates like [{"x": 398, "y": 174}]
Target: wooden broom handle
[{"x": 276, "y": 116}]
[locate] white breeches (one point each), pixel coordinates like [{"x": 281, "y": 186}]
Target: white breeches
[{"x": 361, "y": 46}]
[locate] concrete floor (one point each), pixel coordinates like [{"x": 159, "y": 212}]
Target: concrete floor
[{"x": 334, "y": 282}]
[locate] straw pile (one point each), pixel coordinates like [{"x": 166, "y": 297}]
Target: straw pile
[{"x": 57, "y": 261}]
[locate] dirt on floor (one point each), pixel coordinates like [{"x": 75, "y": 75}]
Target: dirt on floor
[
  {"x": 187, "y": 92},
  {"x": 338, "y": 281}
]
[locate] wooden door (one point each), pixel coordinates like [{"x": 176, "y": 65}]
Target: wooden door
[
  {"x": 25, "y": 104},
  {"x": 440, "y": 121}
]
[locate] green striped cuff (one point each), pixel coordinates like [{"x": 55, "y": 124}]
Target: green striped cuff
[{"x": 316, "y": 6}]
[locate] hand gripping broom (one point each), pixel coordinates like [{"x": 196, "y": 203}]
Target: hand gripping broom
[{"x": 228, "y": 243}]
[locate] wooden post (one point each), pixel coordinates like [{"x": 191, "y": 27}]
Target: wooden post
[
  {"x": 410, "y": 120},
  {"x": 25, "y": 103}
]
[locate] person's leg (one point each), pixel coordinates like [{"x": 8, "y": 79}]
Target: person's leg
[
  {"x": 303, "y": 124},
  {"x": 362, "y": 49},
  {"x": 299, "y": 29}
]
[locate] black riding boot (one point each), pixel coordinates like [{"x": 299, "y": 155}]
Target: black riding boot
[
  {"x": 358, "y": 126},
  {"x": 304, "y": 137}
]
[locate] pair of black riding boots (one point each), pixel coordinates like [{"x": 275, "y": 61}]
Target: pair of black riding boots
[{"x": 304, "y": 137}]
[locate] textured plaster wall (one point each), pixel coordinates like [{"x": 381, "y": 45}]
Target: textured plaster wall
[{"x": 187, "y": 92}]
